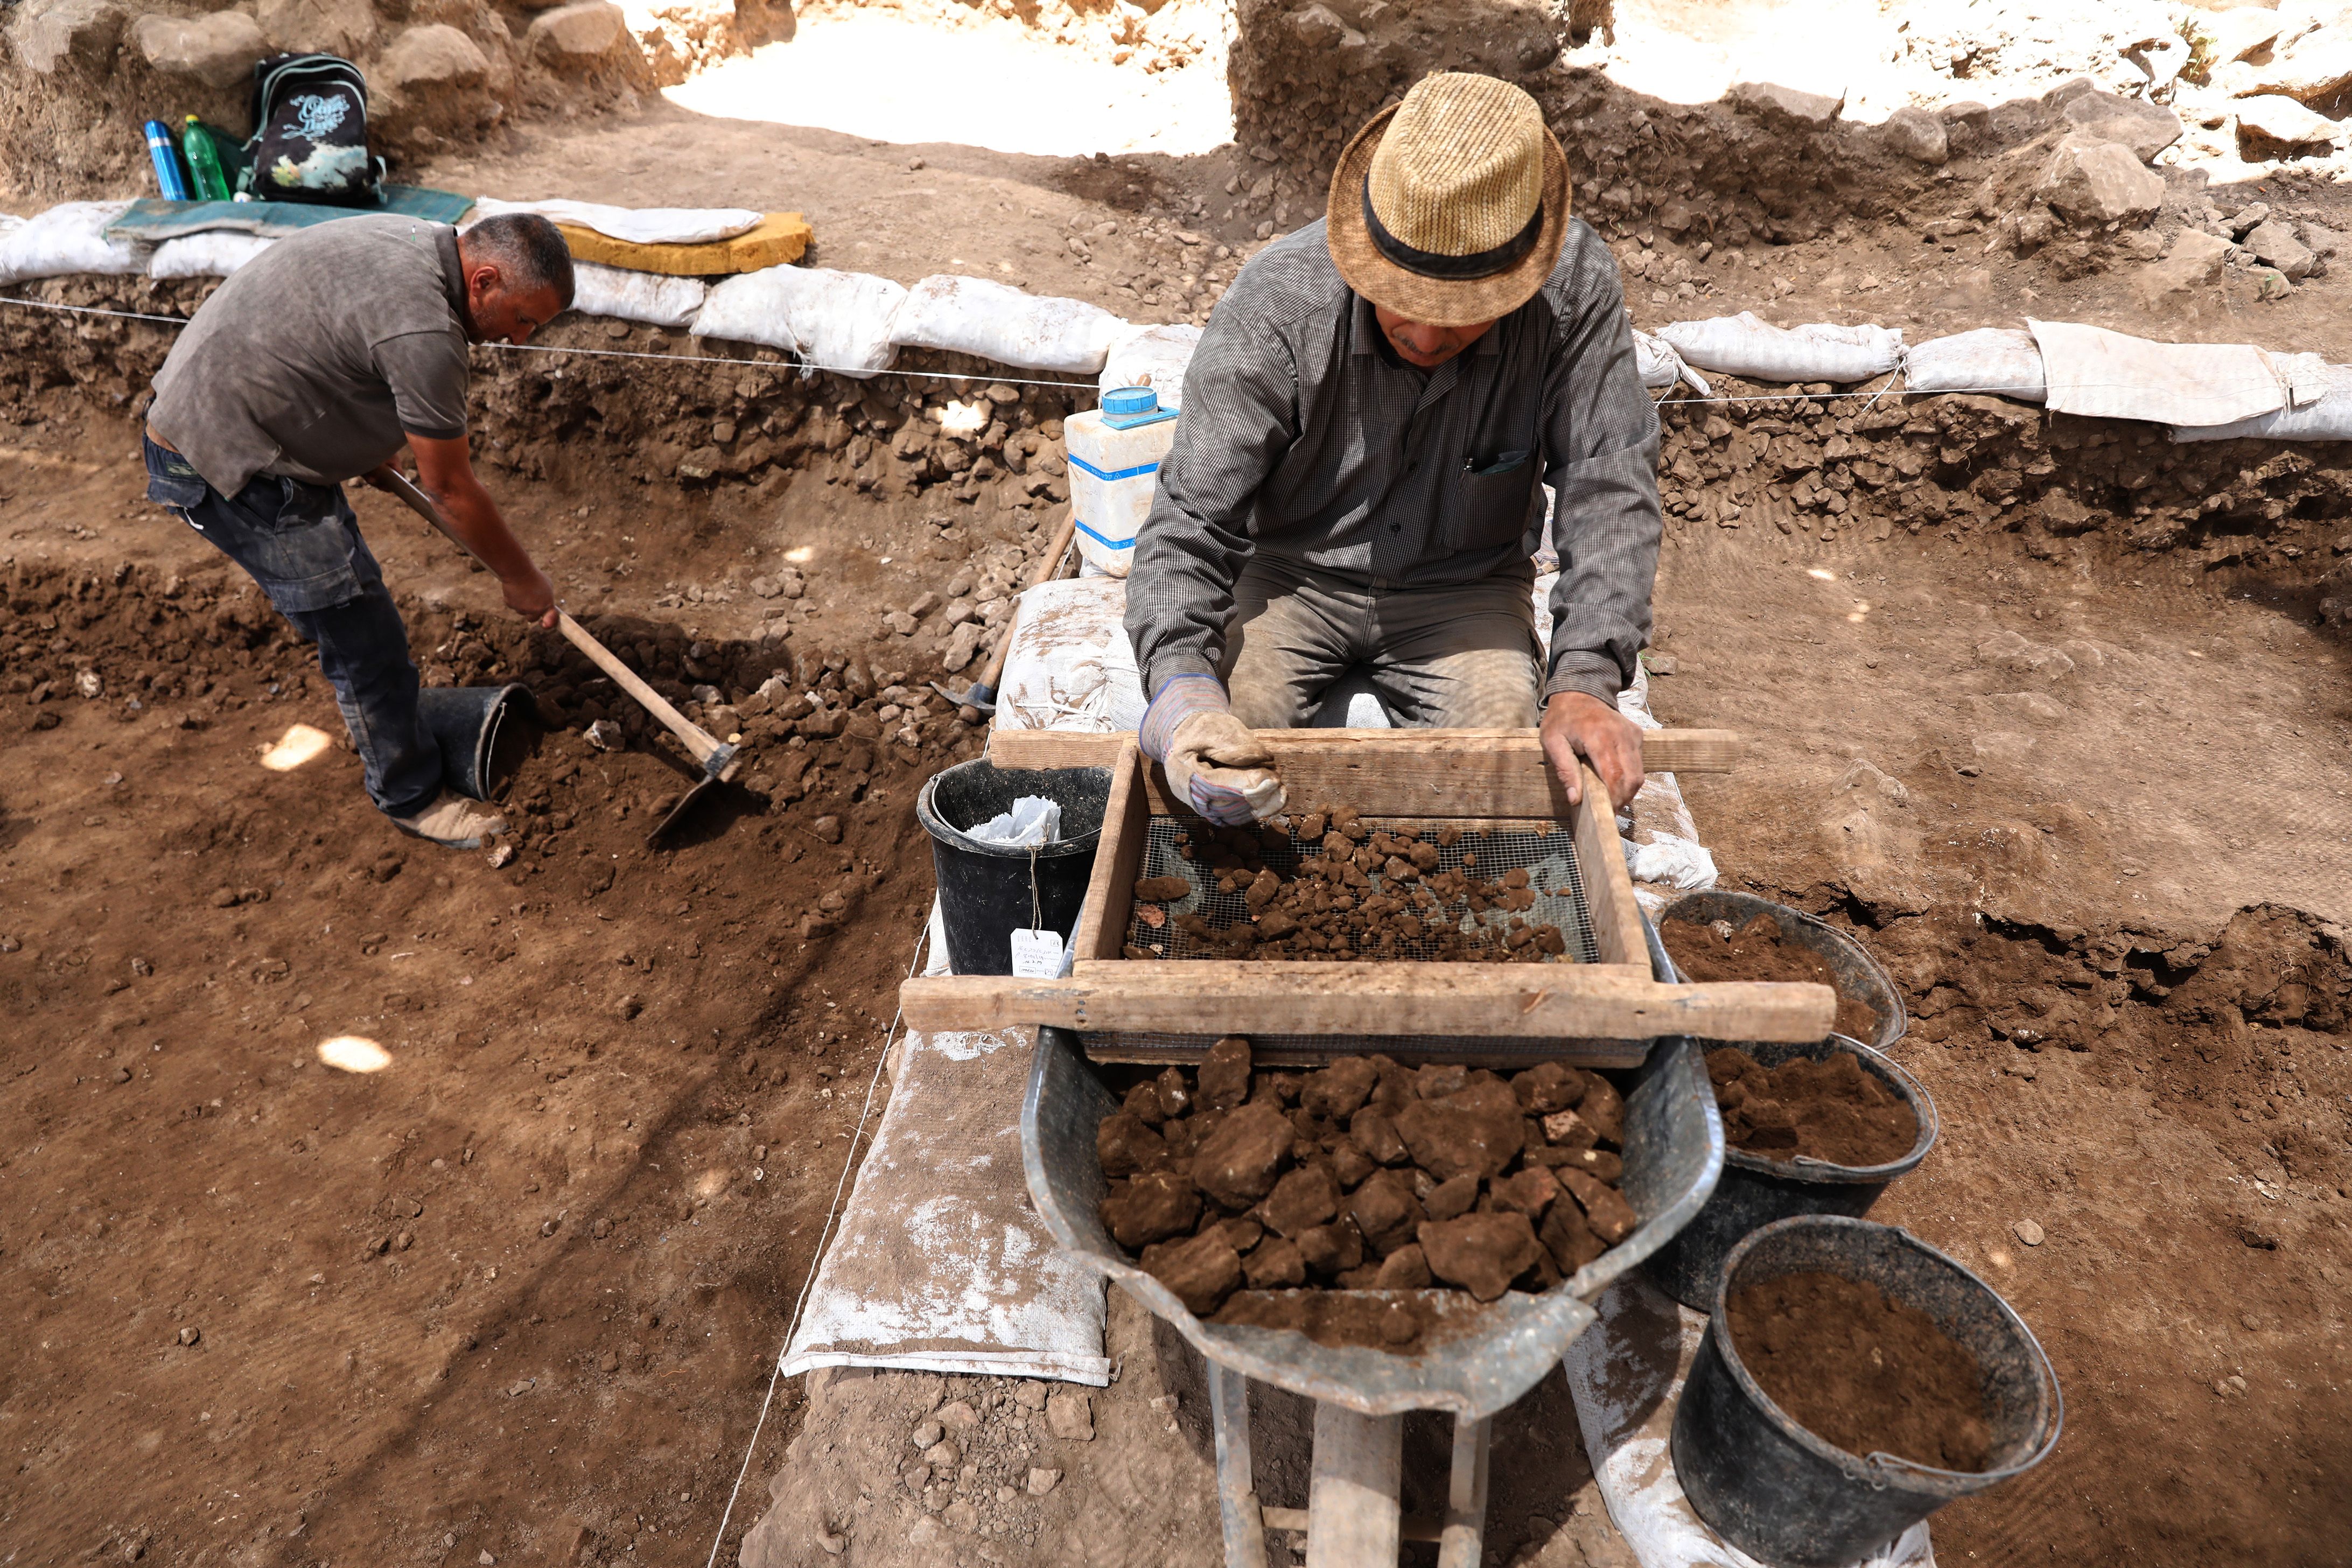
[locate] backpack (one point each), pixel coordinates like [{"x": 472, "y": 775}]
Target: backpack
[{"x": 310, "y": 139}]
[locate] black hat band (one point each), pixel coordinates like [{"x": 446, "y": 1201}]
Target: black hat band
[{"x": 1433, "y": 264}]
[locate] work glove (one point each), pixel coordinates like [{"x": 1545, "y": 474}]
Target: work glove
[{"x": 1212, "y": 759}]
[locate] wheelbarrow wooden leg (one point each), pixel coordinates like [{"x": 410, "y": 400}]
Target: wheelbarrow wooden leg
[
  {"x": 1462, "y": 1542},
  {"x": 1354, "y": 1518},
  {"x": 1237, "y": 1507}
]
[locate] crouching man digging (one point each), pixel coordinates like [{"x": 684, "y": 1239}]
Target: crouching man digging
[
  {"x": 1355, "y": 483},
  {"x": 314, "y": 364}
]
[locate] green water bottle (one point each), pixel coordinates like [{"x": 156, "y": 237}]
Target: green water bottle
[{"x": 203, "y": 163}]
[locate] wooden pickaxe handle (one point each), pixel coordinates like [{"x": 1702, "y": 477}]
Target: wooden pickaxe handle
[
  {"x": 697, "y": 741},
  {"x": 1047, "y": 570}
]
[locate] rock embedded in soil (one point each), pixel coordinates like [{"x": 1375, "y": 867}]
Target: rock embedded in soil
[
  {"x": 1761, "y": 950},
  {"x": 1831, "y": 1110},
  {"x": 1862, "y": 1371}
]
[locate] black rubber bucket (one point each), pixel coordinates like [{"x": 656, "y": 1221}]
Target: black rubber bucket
[
  {"x": 1857, "y": 975},
  {"x": 988, "y": 891},
  {"x": 1787, "y": 1497},
  {"x": 1755, "y": 1191},
  {"x": 482, "y": 730}
]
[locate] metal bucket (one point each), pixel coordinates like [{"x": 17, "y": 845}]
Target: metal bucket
[
  {"x": 1854, "y": 974},
  {"x": 1756, "y": 1191},
  {"x": 482, "y": 732},
  {"x": 1788, "y": 1497}
]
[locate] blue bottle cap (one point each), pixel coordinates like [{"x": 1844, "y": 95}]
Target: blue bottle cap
[{"x": 1129, "y": 401}]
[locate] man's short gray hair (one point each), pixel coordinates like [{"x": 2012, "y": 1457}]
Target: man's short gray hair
[{"x": 528, "y": 250}]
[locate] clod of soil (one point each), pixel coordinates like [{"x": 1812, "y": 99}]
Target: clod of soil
[
  {"x": 1357, "y": 892},
  {"x": 1828, "y": 1110},
  {"x": 1863, "y": 1370},
  {"x": 1759, "y": 951},
  {"x": 1256, "y": 1195}
]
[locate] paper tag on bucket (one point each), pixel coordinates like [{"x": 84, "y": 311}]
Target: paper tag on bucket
[{"x": 1038, "y": 954}]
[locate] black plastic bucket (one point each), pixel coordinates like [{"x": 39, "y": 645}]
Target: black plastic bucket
[
  {"x": 1856, "y": 976},
  {"x": 1787, "y": 1497},
  {"x": 481, "y": 737},
  {"x": 988, "y": 891},
  {"x": 1756, "y": 1191}
]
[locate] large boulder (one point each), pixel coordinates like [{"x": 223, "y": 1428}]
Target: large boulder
[
  {"x": 2195, "y": 261},
  {"x": 2313, "y": 69},
  {"x": 2089, "y": 180},
  {"x": 431, "y": 60},
  {"x": 50, "y": 34},
  {"x": 2147, "y": 129},
  {"x": 1917, "y": 135},
  {"x": 2283, "y": 120},
  {"x": 217, "y": 50},
  {"x": 1770, "y": 100},
  {"x": 577, "y": 37},
  {"x": 2274, "y": 245},
  {"x": 305, "y": 26}
]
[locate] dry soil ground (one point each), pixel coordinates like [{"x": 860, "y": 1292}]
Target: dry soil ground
[{"x": 515, "y": 1294}]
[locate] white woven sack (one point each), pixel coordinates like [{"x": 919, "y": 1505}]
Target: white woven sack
[
  {"x": 215, "y": 253},
  {"x": 2324, "y": 417},
  {"x": 641, "y": 225},
  {"x": 68, "y": 238},
  {"x": 656, "y": 299},
  {"x": 1656, "y": 361},
  {"x": 835, "y": 320},
  {"x": 2003, "y": 361},
  {"x": 1155, "y": 357},
  {"x": 1743, "y": 345},
  {"x": 1000, "y": 322}
]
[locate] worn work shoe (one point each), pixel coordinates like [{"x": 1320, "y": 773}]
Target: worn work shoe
[{"x": 453, "y": 821}]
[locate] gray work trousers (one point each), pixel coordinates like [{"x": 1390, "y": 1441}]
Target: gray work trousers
[{"x": 1454, "y": 658}]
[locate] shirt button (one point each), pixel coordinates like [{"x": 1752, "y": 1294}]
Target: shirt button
[
  {"x": 1396, "y": 528},
  {"x": 1414, "y": 466}
]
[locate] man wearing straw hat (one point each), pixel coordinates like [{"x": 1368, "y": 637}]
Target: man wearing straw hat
[{"x": 1356, "y": 482}]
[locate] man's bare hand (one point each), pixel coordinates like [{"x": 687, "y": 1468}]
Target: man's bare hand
[
  {"x": 531, "y": 597},
  {"x": 1576, "y": 726},
  {"x": 379, "y": 477}
]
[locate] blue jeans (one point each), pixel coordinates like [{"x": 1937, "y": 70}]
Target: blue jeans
[{"x": 301, "y": 543}]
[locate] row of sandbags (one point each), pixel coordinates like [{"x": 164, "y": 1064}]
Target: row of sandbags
[
  {"x": 855, "y": 323},
  {"x": 849, "y": 322}
]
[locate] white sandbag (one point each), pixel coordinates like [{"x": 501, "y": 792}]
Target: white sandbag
[
  {"x": 1153, "y": 357},
  {"x": 2102, "y": 375},
  {"x": 1000, "y": 322},
  {"x": 1656, "y": 361},
  {"x": 215, "y": 253},
  {"x": 2003, "y": 361},
  {"x": 69, "y": 237},
  {"x": 648, "y": 297},
  {"x": 644, "y": 225},
  {"x": 835, "y": 320},
  {"x": 1821, "y": 351},
  {"x": 2324, "y": 417}
]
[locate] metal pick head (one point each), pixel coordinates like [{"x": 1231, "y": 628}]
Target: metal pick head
[{"x": 719, "y": 763}]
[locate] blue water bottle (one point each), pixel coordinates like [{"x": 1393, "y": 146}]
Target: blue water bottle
[{"x": 168, "y": 173}]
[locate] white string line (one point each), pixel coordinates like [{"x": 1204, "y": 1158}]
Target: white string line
[
  {"x": 795, "y": 366},
  {"x": 776, "y": 1374}
]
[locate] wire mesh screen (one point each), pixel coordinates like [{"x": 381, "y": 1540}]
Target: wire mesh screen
[{"x": 1484, "y": 848}]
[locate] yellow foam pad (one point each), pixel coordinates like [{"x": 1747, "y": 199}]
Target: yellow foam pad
[{"x": 777, "y": 240}]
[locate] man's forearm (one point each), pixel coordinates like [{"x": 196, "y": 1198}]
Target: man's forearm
[{"x": 474, "y": 517}]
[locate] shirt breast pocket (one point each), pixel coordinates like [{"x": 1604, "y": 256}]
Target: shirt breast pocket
[{"x": 1494, "y": 498}]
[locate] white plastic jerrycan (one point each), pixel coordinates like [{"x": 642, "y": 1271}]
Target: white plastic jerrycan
[{"x": 1114, "y": 454}]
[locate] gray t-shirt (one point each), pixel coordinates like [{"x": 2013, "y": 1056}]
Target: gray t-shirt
[{"x": 320, "y": 357}]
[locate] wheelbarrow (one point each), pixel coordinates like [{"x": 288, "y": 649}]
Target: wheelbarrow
[{"x": 1477, "y": 1360}]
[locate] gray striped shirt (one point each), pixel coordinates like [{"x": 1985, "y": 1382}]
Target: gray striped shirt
[{"x": 1302, "y": 438}]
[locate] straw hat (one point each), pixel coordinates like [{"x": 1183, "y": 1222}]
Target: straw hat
[{"x": 1451, "y": 208}]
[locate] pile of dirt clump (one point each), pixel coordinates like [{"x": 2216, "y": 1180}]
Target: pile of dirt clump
[
  {"x": 1365, "y": 1175},
  {"x": 1862, "y": 1371},
  {"x": 1355, "y": 891},
  {"x": 1827, "y": 1110},
  {"x": 1760, "y": 951}
]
